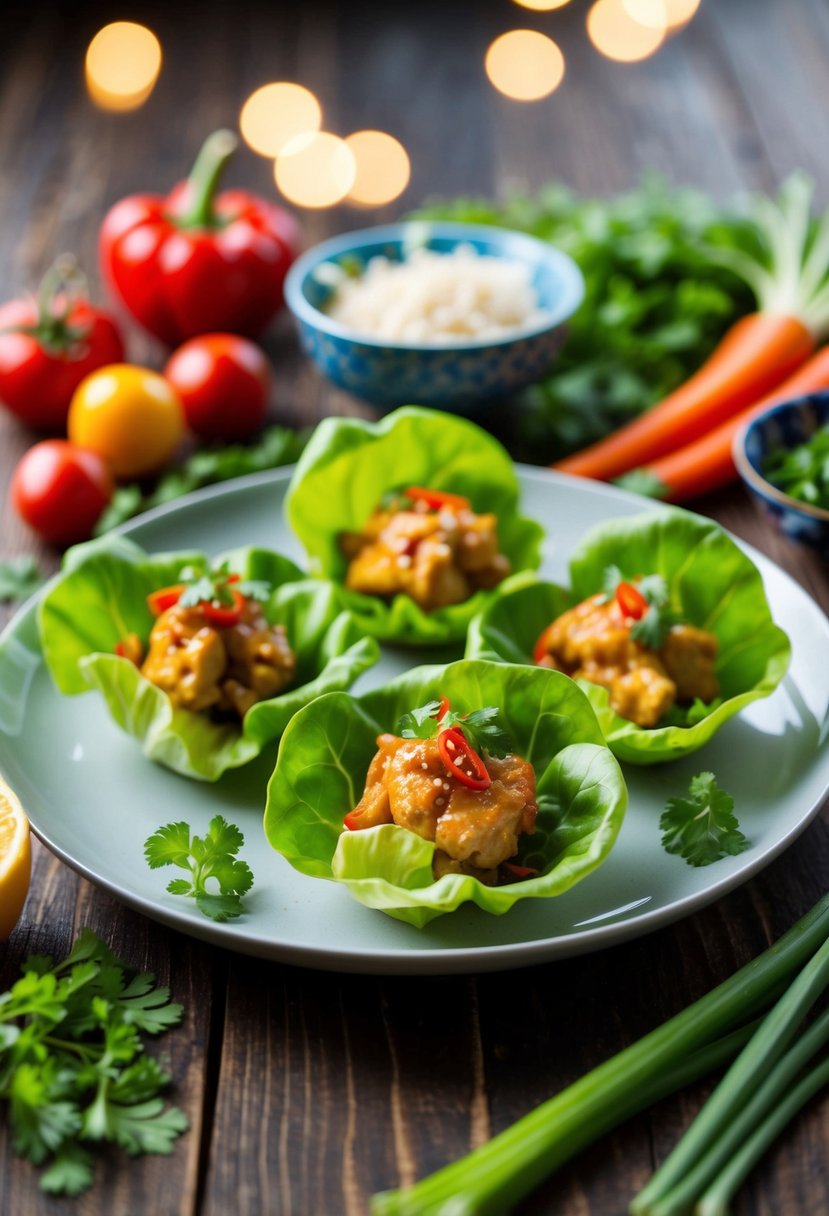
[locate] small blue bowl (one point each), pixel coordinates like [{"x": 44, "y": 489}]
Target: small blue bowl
[
  {"x": 456, "y": 377},
  {"x": 784, "y": 426}
]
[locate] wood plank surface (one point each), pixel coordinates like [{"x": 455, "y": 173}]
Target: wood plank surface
[{"x": 306, "y": 1092}]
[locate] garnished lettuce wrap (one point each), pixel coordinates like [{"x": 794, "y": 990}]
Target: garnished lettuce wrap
[
  {"x": 711, "y": 584},
  {"x": 100, "y": 599},
  {"x": 323, "y": 761},
  {"x": 350, "y": 467}
]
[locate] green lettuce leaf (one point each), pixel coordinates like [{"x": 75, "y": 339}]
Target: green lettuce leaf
[
  {"x": 712, "y": 584},
  {"x": 326, "y": 750},
  {"x": 101, "y": 597},
  {"x": 350, "y": 464}
]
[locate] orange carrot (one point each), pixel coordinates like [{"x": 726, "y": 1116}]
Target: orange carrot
[
  {"x": 755, "y": 356},
  {"x": 707, "y": 463}
]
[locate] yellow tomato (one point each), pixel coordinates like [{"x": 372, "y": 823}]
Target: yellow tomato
[{"x": 132, "y": 417}]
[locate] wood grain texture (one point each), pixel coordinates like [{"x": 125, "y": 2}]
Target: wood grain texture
[{"x": 308, "y": 1092}]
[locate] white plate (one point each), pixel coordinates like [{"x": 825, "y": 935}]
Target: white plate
[{"x": 93, "y": 798}]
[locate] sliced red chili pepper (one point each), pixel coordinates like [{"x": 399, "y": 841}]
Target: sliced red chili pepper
[
  {"x": 542, "y": 646},
  {"x": 159, "y": 601},
  {"x": 437, "y": 499},
  {"x": 631, "y": 600},
  {"x": 462, "y": 760},
  {"x": 520, "y": 871},
  {"x": 221, "y": 615},
  {"x": 443, "y": 709},
  {"x": 352, "y": 821}
]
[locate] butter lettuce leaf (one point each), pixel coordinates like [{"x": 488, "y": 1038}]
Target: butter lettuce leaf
[
  {"x": 325, "y": 753},
  {"x": 350, "y": 464},
  {"x": 100, "y": 597},
  {"x": 712, "y": 584}
]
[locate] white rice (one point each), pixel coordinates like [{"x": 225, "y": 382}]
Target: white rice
[{"x": 438, "y": 298}]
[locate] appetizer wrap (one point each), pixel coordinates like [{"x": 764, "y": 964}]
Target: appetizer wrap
[
  {"x": 708, "y": 584},
  {"x": 112, "y": 598},
  {"x": 355, "y": 477},
  {"x": 323, "y": 768}
]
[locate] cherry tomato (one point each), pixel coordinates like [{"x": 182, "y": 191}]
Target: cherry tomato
[
  {"x": 223, "y": 382},
  {"x": 60, "y": 490},
  {"x": 48, "y": 345},
  {"x": 132, "y": 417}
]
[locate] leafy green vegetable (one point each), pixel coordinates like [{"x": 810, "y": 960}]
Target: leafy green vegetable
[
  {"x": 702, "y": 828},
  {"x": 481, "y": 727},
  {"x": 72, "y": 1064},
  {"x": 20, "y": 577},
  {"x": 213, "y": 857},
  {"x": 711, "y": 584},
  {"x": 657, "y": 301},
  {"x": 101, "y": 599},
  {"x": 277, "y": 446},
  {"x": 803, "y": 472},
  {"x": 326, "y": 751},
  {"x": 348, "y": 467}
]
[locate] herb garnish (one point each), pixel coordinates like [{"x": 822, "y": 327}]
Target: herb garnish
[
  {"x": 652, "y": 628},
  {"x": 702, "y": 828},
  {"x": 481, "y": 726},
  {"x": 803, "y": 472},
  {"x": 72, "y": 1065},
  {"x": 213, "y": 857},
  {"x": 217, "y": 587},
  {"x": 19, "y": 578}
]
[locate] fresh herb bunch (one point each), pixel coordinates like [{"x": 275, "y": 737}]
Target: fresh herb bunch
[
  {"x": 217, "y": 587},
  {"x": 72, "y": 1064},
  {"x": 20, "y": 577},
  {"x": 803, "y": 472},
  {"x": 481, "y": 727},
  {"x": 213, "y": 857},
  {"x": 656, "y": 302},
  {"x": 652, "y": 628},
  {"x": 702, "y": 828}
]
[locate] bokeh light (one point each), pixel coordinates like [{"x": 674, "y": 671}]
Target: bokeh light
[
  {"x": 618, "y": 36},
  {"x": 315, "y": 170},
  {"x": 662, "y": 14},
  {"x": 382, "y": 168},
  {"x": 524, "y": 65},
  {"x": 542, "y": 6},
  {"x": 276, "y": 113},
  {"x": 123, "y": 61}
]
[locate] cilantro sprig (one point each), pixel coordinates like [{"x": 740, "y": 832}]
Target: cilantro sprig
[
  {"x": 803, "y": 471},
  {"x": 702, "y": 828},
  {"x": 217, "y": 587},
  {"x": 211, "y": 859},
  {"x": 653, "y": 628},
  {"x": 72, "y": 1064},
  {"x": 20, "y": 577},
  {"x": 481, "y": 727}
]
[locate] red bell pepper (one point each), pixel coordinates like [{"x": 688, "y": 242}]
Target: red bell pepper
[
  {"x": 195, "y": 262},
  {"x": 49, "y": 344}
]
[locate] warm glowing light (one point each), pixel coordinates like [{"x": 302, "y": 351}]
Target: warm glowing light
[
  {"x": 662, "y": 14},
  {"x": 524, "y": 65},
  {"x": 273, "y": 115},
  {"x": 315, "y": 170},
  {"x": 617, "y": 35},
  {"x": 122, "y": 65},
  {"x": 382, "y": 168},
  {"x": 542, "y": 6}
]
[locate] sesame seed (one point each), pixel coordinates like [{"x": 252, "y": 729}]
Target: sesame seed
[
  {"x": 450, "y": 746},
  {"x": 458, "y": 760},
  {"x": 437, "y": 782},
  {"x": 404, "y": 561},
  {"x": 440, "y": 802}
]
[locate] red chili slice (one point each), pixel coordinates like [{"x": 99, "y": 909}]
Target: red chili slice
[
  {"x": 159, "y": 601},
  {"x": 443, "y": 709},
  {"x": 222, "y": 615},
  {"x": 462, "y": 760},
  {"x": 351, "y": 821},
  {"x": 542, "y": 646},
  {"x": 436, "y": 500},
  {"x": 520, "y": 871},
  {"x": 631, "y": 600}
]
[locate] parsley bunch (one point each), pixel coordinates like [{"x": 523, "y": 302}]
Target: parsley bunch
[
  {"x": 72, "y": 1065},
  {"x": 217, "y": 587},
  {"x": 481, "y": 727},
  {"x": 702, "y": 828},
  {"x": 653, "y": 628},
  {"x": 213, "y": 857}
]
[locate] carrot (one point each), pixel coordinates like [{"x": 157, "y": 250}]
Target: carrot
[
  {"x": 707, "y": 463},
  {"x": 790, "y": 279}
]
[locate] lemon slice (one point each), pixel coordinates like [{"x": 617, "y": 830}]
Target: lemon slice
[{"x": 15, "y": 860}]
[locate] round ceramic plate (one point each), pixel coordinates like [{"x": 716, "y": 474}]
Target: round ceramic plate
[{"x": 94, "y": 799}]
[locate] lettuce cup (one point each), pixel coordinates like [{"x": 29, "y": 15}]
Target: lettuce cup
[
  {"x": 204, "y": 661},
  {"x": 371, "y": 792},
  {"x": 665, "y": 626},
  {"x": 415, "y": 518}
]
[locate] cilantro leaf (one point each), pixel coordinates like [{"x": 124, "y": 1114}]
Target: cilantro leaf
[
  {"x": 481, "y": 726},
  {"x": 212, "y": 857},
  {"x": 19, "y": 578},
  {"x": 702, "y": 828},
  {"x": 610, "y": 582},
  {"x": 642, "y": 481},
  {"x": 420, "y": 723},
  {"x": 70, "y": 1172}
]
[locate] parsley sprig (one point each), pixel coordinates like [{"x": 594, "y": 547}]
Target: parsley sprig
[
  {"x": 215, "y": 587},
  {"x": 210, "y": 859},
  {"x": 653, "y": 628},
  {"x": 702, "y": 828},
  {"x": 481, "y": 727},
  {"x": 20, "y": 577},
  {"x": 72, "y": 1064}
]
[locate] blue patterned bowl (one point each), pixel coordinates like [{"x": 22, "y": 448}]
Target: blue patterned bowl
[
  {"x": 455, "y": 377},
  {"x": 784, "y": 426}
]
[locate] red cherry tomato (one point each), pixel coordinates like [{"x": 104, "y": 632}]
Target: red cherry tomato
[
  {"x": 223, "y": 381},
  {"x": 60, "y": 490}
]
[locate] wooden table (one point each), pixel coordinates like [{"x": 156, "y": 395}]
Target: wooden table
[{"x": 305, "y": 1091}]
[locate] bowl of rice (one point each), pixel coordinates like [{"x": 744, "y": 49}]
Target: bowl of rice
[{"x": 441, "y": 314}]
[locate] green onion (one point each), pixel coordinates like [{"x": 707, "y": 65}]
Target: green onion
[{"x": 494, "y": 1177}]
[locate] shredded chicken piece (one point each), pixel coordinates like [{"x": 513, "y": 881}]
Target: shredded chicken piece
[{"x": 592, "y": 642}]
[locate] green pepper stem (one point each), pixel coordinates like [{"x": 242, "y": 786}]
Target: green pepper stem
[{"x": 203, "y": 181}]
